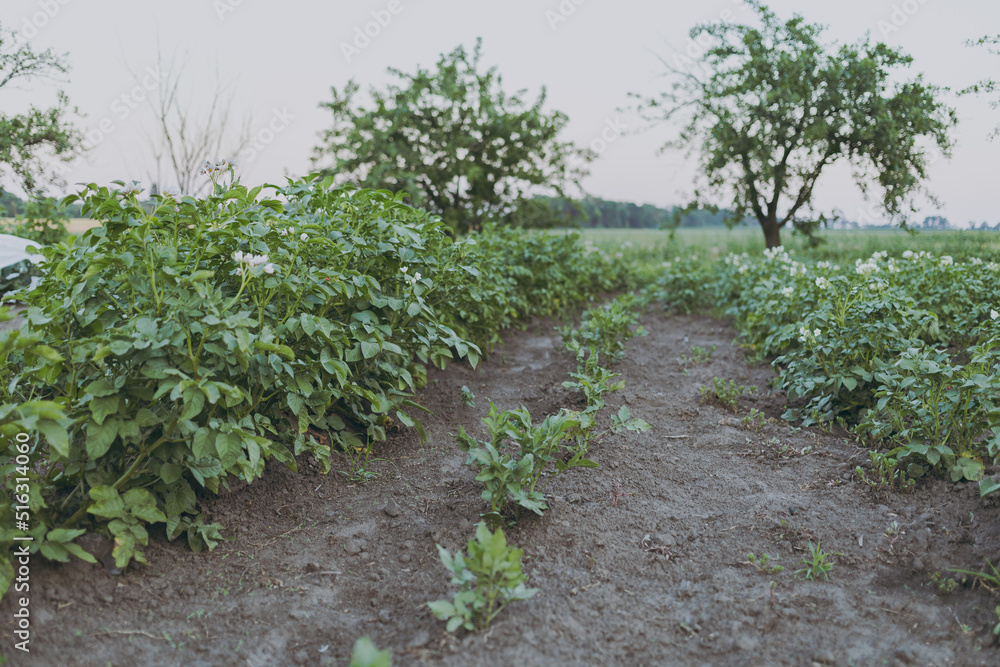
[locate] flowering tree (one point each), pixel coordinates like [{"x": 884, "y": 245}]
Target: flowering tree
[
  {"x": 774, "y": 106},
  {"x": 452, "y": 139}
]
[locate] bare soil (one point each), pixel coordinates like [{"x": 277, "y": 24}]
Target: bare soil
[{"x": 641, "y": 561}]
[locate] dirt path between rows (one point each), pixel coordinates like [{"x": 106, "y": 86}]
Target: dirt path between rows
[{"x": 639, "y": 562}]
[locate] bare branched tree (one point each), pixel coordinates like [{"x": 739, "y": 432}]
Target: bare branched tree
[{"x": 186, "y": 134}]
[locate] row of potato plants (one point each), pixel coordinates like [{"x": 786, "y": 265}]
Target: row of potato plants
[
  {"x": 519, "y": 457},
  {"x": 177, "y": 348},
  {"x": 905, "y": 350}
]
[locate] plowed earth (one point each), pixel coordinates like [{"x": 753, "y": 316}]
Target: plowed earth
[{"x": 642, "y": 561}]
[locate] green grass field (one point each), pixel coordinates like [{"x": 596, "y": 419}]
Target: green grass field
[{"x": 837, "y": 245}]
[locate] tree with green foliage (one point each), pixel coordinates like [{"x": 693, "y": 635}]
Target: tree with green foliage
[
  {"x": 452, "y": 139},
  {"x": 30, "y": 140},
  {"x": 10, "y": 204},
  {"x": 987, "y": 86},
  {"x": 773, "y": 106}
]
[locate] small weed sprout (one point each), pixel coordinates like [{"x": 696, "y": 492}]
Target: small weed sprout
[
  {"x": 893, "y": 529},
  {"x": 885, "y": 475},
  {"x": 776, "y": 450},
  {"x": 468, "y": 397},
  {"x": 699, "y": 356},
  {"x": 359, "y": 456},
  {"x": 783, "y": 450},
  {"x": 945, "y": 585},
  {"x": 990, "y": 580},
  {"x": 725, "y": 392},
  {"x": 755, "y": 421},
  {"x": 762, "y": 563},
  {"x": 816, "y": 563}
]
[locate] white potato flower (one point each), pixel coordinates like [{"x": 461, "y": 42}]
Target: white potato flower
[{"x": 132, "y": 188}]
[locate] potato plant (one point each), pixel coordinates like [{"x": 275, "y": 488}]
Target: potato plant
[
  {"x": 366, "y": 654},
  {"x": 904, "y": 348},
  {"x": 519, "y": 458},
  {"x": 512, "y": 460},
  {"x": 171, "y": 350},
  {"x": 605, "y": 329},
  {"x": 593, "y": 382},
  {"x": 936, "y": 412},
  {"x": 490, "y": 578},
  {"x": 602, "y": 334}
]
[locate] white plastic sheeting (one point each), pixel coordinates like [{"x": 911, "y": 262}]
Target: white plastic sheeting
[
  {"x": 13, "y": 249},
  {"x": 15, "y": 260}
]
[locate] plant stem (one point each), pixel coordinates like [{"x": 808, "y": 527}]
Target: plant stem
[{"x": 79, "y": 515}]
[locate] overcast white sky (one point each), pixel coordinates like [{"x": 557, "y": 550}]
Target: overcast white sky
[{"x": 284, "y": 56}]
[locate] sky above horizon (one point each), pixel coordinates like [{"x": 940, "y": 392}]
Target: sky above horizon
[{"x": 282, "y": 59}]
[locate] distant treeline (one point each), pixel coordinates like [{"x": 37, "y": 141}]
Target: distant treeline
[
  {"x": 933, "y": 222},
  {"x": 595, "y": 212},
  {"x": 12, "y": 206}
]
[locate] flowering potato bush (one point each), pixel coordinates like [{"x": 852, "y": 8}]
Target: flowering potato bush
[
  {"x": 683, "y": 285},
  {"x": 907, "y": 346},
  {"x": 171, "y": 351},
  {"x": 510, "y": 275},
  {"x": 936, "y": 411}
]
